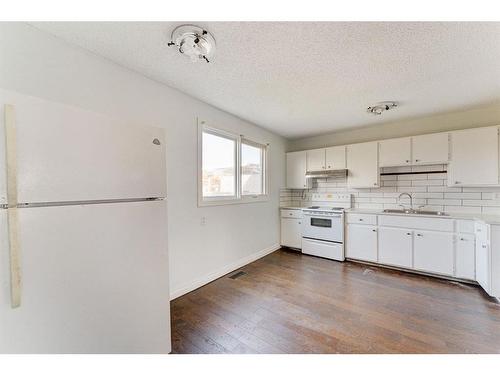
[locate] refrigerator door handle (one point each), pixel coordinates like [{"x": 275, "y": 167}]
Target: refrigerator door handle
[{"x": 15, "y": 265}]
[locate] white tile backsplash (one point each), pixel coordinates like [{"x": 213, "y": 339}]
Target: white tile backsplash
[{"x": 427, "y": 189}]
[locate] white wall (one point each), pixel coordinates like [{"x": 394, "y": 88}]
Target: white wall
[
  {"x": 35, "y": 63},
  {"x": 487, "y": 115}
]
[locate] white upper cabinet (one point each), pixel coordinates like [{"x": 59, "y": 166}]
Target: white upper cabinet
[
  {"x": 430, "y": 149},
  {"x": 296, "y": 170},
  {"x": 474, "y": 157},
  {"x": 395, "y": 152},
  {"x": 335, "y": 157},
  {"x": 362, "y": 165},
  {"x": 316, "y": 160}
]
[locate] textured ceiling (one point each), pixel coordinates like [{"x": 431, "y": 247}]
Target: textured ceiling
[{"x": 306, "y": 78}]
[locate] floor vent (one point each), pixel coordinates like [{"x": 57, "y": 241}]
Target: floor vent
[{"x": 237, "y": 274}]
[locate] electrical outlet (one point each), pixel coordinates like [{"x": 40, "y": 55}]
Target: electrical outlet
[{"x": 203, "y": 221}]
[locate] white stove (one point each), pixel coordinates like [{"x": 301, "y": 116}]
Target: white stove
[{"x": 323, "y": 226}]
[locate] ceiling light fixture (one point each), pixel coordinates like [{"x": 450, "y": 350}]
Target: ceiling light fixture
[
  {"x": 381, "y": 107},
  {"x": 194, "y": 42}
]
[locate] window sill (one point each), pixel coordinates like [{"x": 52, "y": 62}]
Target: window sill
[{"x": 243, "y": 200}]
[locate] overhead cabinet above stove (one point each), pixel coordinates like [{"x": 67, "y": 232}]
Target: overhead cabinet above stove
[{"x": 322, "y": 159}]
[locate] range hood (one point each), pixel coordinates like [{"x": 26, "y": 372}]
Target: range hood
[{"x": 327, "y": 173}]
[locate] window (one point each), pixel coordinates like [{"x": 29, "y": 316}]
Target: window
[
  {"x": 219, "y": 165},
  {"x": 232, "y": 169},
  {"x": 252, "y": 168}
]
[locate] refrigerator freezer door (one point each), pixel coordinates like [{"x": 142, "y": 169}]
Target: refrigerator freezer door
[
  {"x": 3, "y": 157},
  {"x": 69, "y": 154},
  {"x": 95, "y": 280}
]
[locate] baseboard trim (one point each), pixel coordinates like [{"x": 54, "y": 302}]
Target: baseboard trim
[{"x": 223, "y": 271}]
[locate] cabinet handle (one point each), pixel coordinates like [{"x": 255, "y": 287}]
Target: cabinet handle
[
  {"x": 462, "y": 239},
  {"x": 409, "y": 234},
  {"x": 417, "y": 160},
  {"x": 457, "y": 182},
  {"x": 300, "y": 222},
  {"x": 420, "y": 235},
  {"x": 484, "y": 246},
  {"x": 407, "y": 161},
  {"x": 323, "y": 167},
  {"x": 329, "y": 166},
  {"x": 360, "y": 219},
  {"x": 374, "y": 230},
  {"x": 290, "y": 214},
  {"x": 375, "y": 184}
]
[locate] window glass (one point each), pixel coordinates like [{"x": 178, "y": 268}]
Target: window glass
[
  {"x": 218, "y": 166},
  {"x": 252, "y": 169}
]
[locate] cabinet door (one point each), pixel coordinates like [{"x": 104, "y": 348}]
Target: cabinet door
[
  {"x": 291, "y": 232},
  {"x": 482, "y": 256},
  {"x": 362, "y": 165},
  {"x": 433, "y": 252},
  {"x": 395, "y": 246},
  {"x": 430, "y": 149},
  {"x": 361, "y": 242},
  {"x": 465, "y": 257},
  {"x": 474, "y": 157},
  {"x": 335, "y": 157},
  {"x": 395, "y": 152},
  {"x": 316, "y": 159},
  {"x": 296, "y": 170}
]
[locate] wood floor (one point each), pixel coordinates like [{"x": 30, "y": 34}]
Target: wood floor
[{"x": 287, "y": 302}]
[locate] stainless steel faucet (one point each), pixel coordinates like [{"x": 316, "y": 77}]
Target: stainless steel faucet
[{"x": 411, "y": 200}]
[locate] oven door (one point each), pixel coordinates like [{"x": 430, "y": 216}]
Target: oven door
[{"x": 326, "y": 228}]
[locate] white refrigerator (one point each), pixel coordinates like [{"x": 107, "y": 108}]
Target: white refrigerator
[{"x": 83, "y": 244}]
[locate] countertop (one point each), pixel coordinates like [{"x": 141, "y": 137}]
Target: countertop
[
  {"x": 488, "y": 219},
  {"x": 292, "y": 207}
]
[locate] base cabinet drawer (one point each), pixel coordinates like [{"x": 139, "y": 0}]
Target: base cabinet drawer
[
  {"x": 465, "y": 262},
  {"x": 361, "y": 219},
  {"x": 323, "y": 249},
  {"x": 291, "y": 232},
  {"x": 433, "y": 252},
  {"x": 395, "y": 246},
  {"x": 361, "y": 242},
  {"x": 286, "y": 212}
]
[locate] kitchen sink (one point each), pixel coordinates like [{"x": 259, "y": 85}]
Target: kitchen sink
[{"x": 415, "y": 212}]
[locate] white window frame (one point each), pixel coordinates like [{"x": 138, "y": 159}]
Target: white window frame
[{"x": 238, "y": 198}]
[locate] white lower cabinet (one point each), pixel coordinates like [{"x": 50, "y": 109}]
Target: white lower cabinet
[
  {"x": 395, "y": 246},
  {"x": 465, "y": 257},
  {"x": 433, "y": 252},
  {"x": 465, "y": 249},
  {"x": 291, "y": 232},
  {"x": 482, "y": 256},
  {"x": 361, "y": 242}
]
